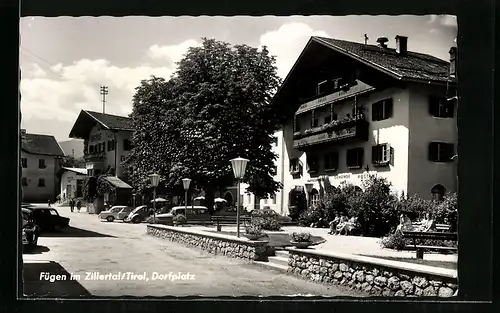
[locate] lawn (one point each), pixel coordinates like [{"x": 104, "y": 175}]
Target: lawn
[
  {"x": 275, "y": 240},
  {"x": 441, "y": 264}
]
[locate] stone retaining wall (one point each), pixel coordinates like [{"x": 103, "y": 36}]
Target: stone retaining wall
[
  {"x": 377, "y": 277},
  {"x": 215, "y": 243}
]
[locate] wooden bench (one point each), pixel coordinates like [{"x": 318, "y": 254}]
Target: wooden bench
[
  {"x": 229, "y": 219},
  {"x": 443, "y": 228},
  {"x": 443, "y": 236}
]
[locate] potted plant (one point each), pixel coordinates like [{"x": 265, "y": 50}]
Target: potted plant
[
  {"x": 179, "y": 219},
  {"x": 301, "y": 240},
  {"x": 253, "y": 232}
]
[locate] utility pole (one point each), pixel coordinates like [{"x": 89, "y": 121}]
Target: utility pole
[
  {"x": 366, "y": 39},
  {"x": 104, "y": 92}
]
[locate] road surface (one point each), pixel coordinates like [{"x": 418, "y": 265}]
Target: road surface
[{"x": 117, "y": 254}]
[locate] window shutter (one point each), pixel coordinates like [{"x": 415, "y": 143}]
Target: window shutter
[
  {"x": 433, "y": 105},
  {"x": 391, "y": 156},
  {"x": 450, "y": 151},
  {"x": 374, "y": 154},
  {"x": 386, "y": 154},
  {"x": 388, "y": 108},
  {"x": 432, "y": 151},
  {"x": 335, "y": 162},
  {"x": 361, "y": 155},
  {"x": 375, "y": 110},
  {"x": 450, "y": 108}
]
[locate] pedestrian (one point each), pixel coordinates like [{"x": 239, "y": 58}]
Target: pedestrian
[
  {"x": 72, "y": 205},
  {"x": 78, "y": 205}
]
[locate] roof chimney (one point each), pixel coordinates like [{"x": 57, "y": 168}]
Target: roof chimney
[
  {"x": 382, "y": 42},
  {"x": 453, "y": 62},
  {"x": 402, "y": 45}
]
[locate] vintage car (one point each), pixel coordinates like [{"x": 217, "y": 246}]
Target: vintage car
[
  {"x": 48, "y": 219},
  {"x": 196, "y": 214},
  {"x": 138, "y": 215},
  {"x": 30, "y": 230},
  {"x": 118, "y": 212}
]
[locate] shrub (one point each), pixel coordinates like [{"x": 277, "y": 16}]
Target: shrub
[
  {"x": 396, "y": 241},
  {"x": 447, "y": 211},
  {"x": 301, "y": 237},
  {"x": 253, "y": 230},
  {"x": 179, "y": 219},
  {"x": 317, "y": 216},
  {"x": 265, "y": 219}
]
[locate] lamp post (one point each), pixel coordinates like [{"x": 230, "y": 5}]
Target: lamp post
[
  {"x": 186, "y": 182},
  {"x": 309, "y": 187},
  {"x": 155, "y": 180},
  {"x": 239, "y": 167}
]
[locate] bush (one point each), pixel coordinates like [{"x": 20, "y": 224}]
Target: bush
[
  {"x": 253, "y": 230},
  {"x": 396, "y": 241},
  {"x": 301, "y": 237},
  {"x": 180, "y": 219},
  {"x": 317, "y": 216},
  {"x": 265, "y": 219}
]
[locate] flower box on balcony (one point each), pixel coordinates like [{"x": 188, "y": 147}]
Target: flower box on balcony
[{"x": 354, "y": 167}]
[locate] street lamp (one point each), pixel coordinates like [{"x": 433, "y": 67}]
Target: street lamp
[
  {"x": 155, "y": 180},
  {"x": 186, "y": 182},
  {"x": 309, "y": 187},
  {"x": 239, "y": 166}
]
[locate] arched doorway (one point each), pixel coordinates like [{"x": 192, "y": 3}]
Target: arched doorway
[
  {"x": 228, "y": 196},
  {"x": 438, "y": 192},
  {"x": 296, "y": 202},
  {"x": 314, "y": 197}
]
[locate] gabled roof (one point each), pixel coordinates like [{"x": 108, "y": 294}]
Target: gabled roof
[
  {"x": 82, "y": 171},
  {"x": 41, "y": 145},
  {"x": 412, "y": 66},
  {"x": 87, "y": 119}
]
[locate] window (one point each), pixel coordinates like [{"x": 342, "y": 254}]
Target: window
[
  {"x": 331, "y": 161},
  {"x": 441, "y": 151},
  {"x": 438, "y": 192},
  {"x": 53, "y": 212},
  {"x": 441, "y": 107},
  {"x": 382, "y": 110},
  {"x": 41, "y": 163},
  {"x": 314, "y": 119},
  {"x": 275, "y": 141},
  {"x": 91, "y": 149},
  {"x": 312, "y": 163},
  {"x": 295, "y": 166},
  {"x": 296, "y": 124},
  {"x": 24, "y": 181},
  {"x": 382, "y": 154},
  {"x": 41, "y": 182},
  {"x": 273, "y": 198},
  {"x": 328, "y": 119},
  {"x": 355, "y": 158},
  {"x": 314, "y": 197},
  {"x": 103, "y": 146},
  {"x": 24, "y": 162},
  {"x": 127, "y": 146},
  {"x": 111, "y": 145}
]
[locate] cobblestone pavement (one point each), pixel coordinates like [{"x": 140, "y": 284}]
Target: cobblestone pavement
[{"x": 102, "y": 248}]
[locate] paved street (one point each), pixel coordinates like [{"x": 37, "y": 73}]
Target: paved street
[{"x": 110, "y": 248}]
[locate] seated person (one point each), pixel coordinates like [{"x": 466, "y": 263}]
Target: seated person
[
  {"x": 404, "y": 224},
  {"x": 333, "y": 224},
  {"x": 341, "y": 226},
  {"x": 427, "y": 225},
  {"x": 351, "y": 224}
]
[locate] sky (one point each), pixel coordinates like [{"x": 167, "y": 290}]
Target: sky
[{"x": 65, "y": 60}]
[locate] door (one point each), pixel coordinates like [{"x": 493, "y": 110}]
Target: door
[{"x": 69, "y": 192}]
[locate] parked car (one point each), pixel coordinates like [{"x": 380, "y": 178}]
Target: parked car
[
  {"x": 48, "y": 219},
  {"x": 124, "y": 213},
  {"x": 112, "y": 214},
  {"x": 194, "y": 213},
  {"x": 30, "y": 231},
  {"x": 138, "y": 215}
]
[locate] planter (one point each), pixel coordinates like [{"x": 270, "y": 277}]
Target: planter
[
  {"x": 301, "y": 244},
  {"x": 253, "y": 236}
]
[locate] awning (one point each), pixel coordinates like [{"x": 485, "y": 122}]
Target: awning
[{"x": 117, "y": 183}]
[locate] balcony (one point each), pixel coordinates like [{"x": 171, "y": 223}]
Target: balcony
[
  {"x": 335, "y": 131},
  {"x": 95, "y": 156}
]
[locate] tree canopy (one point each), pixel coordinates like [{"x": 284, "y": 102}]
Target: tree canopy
[{"x": 215, "y": 107}]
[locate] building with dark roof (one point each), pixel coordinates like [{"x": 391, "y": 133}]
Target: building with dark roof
[
  {"x": 41, "y": 158},
  {"x": 354, "y": 109},
  {"x": 107, "y": 140}
]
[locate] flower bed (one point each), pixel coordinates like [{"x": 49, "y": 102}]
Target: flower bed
[
  {"x": 375, "y": 276},
  {"x": 215, "y": 243}
]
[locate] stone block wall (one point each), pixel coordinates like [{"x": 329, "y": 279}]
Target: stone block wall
[
  {"x": 240, "y": 248},
  {"x": 373, "y": 279}
]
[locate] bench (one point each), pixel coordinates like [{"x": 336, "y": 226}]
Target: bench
[
  {"x": 443, "y": 228},
  {"x": 443, "y": 236},
  {"x": 221, "y": 219}
]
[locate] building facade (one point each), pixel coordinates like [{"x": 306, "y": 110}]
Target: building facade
[
  {"x": 72, "y": 180},
  {"x": 357, "y": 110},
  {"x": 41, "y": 158}
]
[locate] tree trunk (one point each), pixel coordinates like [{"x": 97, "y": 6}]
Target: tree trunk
[{"x": 209, "y": 199}]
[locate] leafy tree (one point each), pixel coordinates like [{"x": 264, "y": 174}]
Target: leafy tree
[
  {"x": 215, "y": 107},
  {"x": 70, "y": 161}
]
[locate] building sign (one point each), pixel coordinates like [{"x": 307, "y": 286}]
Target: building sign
[{"x": 355, "y": 90}]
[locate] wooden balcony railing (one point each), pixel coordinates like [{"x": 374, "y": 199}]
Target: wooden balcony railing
[{"x": 335, "y": 131}]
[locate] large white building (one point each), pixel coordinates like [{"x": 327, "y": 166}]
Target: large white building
[{"x": 358, "y": 109}]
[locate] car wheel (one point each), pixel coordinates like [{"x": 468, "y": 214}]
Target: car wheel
[
  {"x": 136, "y": 220},
  {"x": 35, "y": 239},
  {"x": 110, "y": 218}
]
